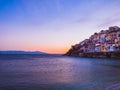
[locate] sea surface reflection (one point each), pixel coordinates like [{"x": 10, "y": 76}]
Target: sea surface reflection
[{"x": 37, "y": 72}]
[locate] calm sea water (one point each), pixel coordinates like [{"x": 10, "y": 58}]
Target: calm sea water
[{"x": 51, "y": 72}]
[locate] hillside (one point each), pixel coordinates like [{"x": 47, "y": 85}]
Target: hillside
[{"x": 105, "y": 43}]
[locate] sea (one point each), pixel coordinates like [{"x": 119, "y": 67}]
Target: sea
[{"x": 58, "y": 72}]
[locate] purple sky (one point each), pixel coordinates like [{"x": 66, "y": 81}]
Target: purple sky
[{"x": 53, "y": 25}]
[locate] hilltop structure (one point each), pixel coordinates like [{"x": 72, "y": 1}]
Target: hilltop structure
[{"x": 106, "y": 43}]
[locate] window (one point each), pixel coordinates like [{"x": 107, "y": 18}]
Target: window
[{"x": 119, "y": 35}]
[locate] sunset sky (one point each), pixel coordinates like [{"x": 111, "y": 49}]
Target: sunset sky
[{"x": 53, "y": 25}]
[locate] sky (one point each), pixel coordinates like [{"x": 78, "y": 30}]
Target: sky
[{"x": 53, "y": 25}]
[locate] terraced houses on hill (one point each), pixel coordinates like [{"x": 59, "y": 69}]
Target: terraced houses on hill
[{"x": 104, "y": 41}]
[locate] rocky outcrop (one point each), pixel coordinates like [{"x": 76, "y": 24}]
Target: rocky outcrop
[{"x": 106, "y": 43}]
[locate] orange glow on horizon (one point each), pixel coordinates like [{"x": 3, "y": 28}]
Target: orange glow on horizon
[
  {"x": 55, "y": 50},
  {"x": 50, "y": 50}
]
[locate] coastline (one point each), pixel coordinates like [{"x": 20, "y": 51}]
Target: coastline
[{"x": 96, "y": 54}]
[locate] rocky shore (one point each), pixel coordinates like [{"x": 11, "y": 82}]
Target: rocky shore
[
  {"x": 96, "y": 55},
  {"x": 105, "y": 44}
]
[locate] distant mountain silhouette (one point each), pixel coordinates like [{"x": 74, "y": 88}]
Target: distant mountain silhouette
[{"x": 21, "y": 52}]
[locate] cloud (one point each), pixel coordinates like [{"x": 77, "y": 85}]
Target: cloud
[{"x": 114, "y": 18}]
